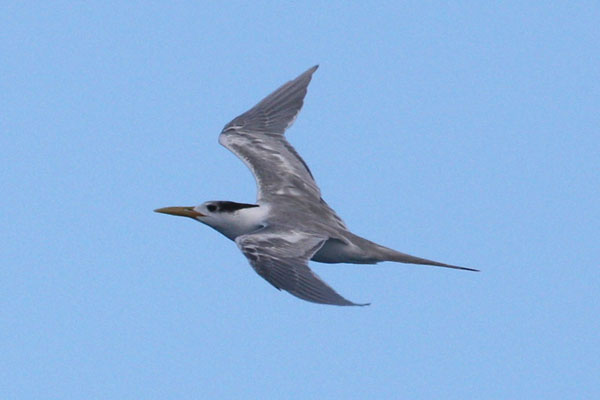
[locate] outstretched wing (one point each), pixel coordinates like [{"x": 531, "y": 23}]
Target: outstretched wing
[
  {"x": 256, "y": 137},
  {"x": 281, "y": 257}
]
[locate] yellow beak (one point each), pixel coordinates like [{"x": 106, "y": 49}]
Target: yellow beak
[{"x": 180, "y": 211}]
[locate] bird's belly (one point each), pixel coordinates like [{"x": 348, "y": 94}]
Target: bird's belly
[{"x": 336, "y": 251}]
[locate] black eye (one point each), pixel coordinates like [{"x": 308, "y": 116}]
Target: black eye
[{"x": 211, "y": 208}]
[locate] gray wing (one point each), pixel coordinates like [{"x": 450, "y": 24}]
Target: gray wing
[
  {"x": 256, "y": 137},
  {"x": 281, "y": 257}
]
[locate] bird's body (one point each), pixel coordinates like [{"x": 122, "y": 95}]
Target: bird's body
[{"x": 290, "y": 223}]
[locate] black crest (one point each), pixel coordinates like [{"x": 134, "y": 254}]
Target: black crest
[{"x": 231, "y": 206}]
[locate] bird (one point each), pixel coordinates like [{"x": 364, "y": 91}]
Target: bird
[{"x": 290, "y": 224}]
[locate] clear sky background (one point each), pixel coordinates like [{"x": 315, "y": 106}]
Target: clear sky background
[{"x": 465, "y": 133}]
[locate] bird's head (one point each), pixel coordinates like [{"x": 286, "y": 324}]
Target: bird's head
[{"x": 230, "y": 218}]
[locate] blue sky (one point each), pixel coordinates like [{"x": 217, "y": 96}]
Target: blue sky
[{"x": 464, "y": 133}]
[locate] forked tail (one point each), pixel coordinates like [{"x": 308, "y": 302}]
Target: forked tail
[
  {"x": 393, "y": 255},
  {"x": 371, "y": 253}
]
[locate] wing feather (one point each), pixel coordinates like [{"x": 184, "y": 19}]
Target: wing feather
[
  {"x": 281, "y": 258},
  {"x": 257, "y": 138}
]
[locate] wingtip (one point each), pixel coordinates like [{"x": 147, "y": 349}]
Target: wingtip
[{"x": 349, "y": 303}]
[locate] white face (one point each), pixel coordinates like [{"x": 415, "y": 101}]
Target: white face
[
  {"x": 208, "y": 208},
  {"x": 230, "y": 218},
  {"x": 210, "y": 214}
]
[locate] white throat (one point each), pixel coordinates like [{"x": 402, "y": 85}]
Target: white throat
[{"x": 240, "y": 222}]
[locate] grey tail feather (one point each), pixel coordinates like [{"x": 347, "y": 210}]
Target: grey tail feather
[{"x": 393, "y": 255}]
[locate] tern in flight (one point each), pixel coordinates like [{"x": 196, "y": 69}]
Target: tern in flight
[{"x": 290, "y": 223}]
